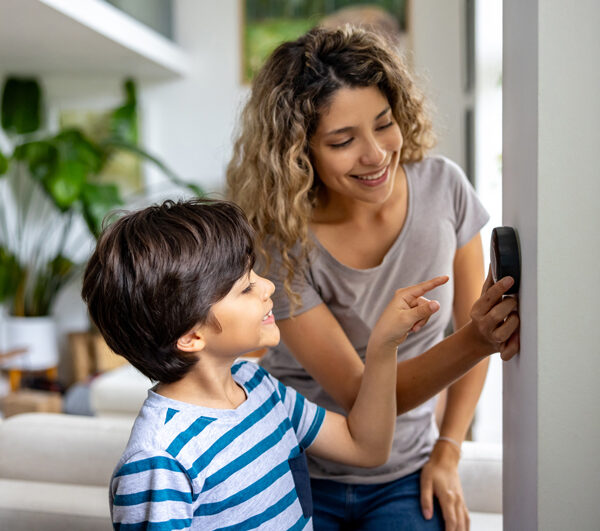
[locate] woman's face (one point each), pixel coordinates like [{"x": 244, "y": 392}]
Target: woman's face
[{"x": 356, "y": 147}]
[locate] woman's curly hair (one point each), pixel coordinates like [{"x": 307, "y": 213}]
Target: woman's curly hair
[{"x": 270, "y": 175}]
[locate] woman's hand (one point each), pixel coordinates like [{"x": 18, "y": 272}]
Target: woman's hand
[
  {"x": 495, "y": 320},
  {"x": 439, "y": 478}
]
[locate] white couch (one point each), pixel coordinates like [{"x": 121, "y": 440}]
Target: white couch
[
  {"x": 55, "y": 469},
  {"x": 120, "y": 393}
]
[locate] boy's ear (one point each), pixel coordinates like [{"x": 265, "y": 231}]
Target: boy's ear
[{"x": 192, "y": 341}]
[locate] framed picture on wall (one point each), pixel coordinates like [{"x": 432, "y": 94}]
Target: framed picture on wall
[{"x": 268, "y": 23}]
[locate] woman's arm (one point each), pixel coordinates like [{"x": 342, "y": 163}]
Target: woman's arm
[
  {"x": 320, "y": 345},
  {"x": 364, "y": 437}
]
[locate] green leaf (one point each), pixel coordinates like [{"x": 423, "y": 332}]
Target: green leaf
[
  {"x": 10, "y": 274},
  {"x": 74, "y": 146},
  {"x": 21, "y": 106},
  {"x": 124, "y": 119},
  {"x": 195, "y": 189},
  {"x": 98, "y": 201},
  {"x": 60, "y": 267},
  {"x": 130, "y": 91},
  {"x": 41, "y": 157},
  {"x": 62, "y": 164},
  {"x": 64, "y": 186},
  {"x": 3, "y": 164},
  {"x": 126, "y": 146},
  {"x": 48, "y": 283},
  {"x": 77, "y": 158}
]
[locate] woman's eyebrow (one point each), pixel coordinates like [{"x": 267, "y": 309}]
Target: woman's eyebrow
[
  {"x": 349, "y": 128},
  {"x": 382, "y": 113}
]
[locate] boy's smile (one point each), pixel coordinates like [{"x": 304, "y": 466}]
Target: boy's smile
[
  {"x": 269, "y": 318},
  {"x": 245, "y": 317}
]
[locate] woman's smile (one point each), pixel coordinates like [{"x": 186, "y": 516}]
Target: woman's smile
[
  {"x": 373, "y": 179},
  {"x": 356, "y": 146}
]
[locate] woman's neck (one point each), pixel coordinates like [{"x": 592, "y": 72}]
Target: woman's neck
[{"x": 359, "y": 234}]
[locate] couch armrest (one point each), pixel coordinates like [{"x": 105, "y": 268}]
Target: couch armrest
[
  {"x": 27, "y": 505},
  {"x": 480, "y": 472},
  {"x": 57, "y": 448}
]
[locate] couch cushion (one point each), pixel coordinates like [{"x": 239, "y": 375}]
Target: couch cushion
[
  {"x": 485, "y": 521},
  {"x": 480, "y": 472},
  {"x": 27, "y": 505},
  {"x": 61, "y": 448},
  {"x": 119, "y": 392}
]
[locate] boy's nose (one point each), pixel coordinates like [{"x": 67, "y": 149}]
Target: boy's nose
[{"x": 268, "y": 289}]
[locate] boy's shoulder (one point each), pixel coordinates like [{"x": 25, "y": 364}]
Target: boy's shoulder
[
  {"x": 158, "y": 425},
  {"x": 151, "y": 432},
  {"x": 257, "y": 380},
  {"x": 244, "y": 370},
  {"x": 163, "y": 424}
]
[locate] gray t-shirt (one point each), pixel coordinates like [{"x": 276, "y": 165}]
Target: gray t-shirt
[{"x": 444, "y": 213}]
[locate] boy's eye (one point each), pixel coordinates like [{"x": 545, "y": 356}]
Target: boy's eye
[
  {"x": 342, "y": 144},
  {"x": 248, "y": 288}
]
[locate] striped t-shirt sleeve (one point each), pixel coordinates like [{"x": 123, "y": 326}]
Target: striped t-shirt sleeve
[
  {"x": 306, "y": 416},
  {"x": 151, "y": 491}
]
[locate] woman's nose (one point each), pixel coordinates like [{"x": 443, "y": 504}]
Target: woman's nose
[{"x": 373, "y": 153}]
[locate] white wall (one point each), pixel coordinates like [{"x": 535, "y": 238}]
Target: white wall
[
  {"x": 520, "y": 204},
  {"x": 551, "y": 186},
  {"x": 488, "y": 138},
  {"x": 436, "y": 40},
  {"x": 187, "y": 123}
]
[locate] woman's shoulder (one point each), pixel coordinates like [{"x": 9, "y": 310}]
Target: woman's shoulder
[
  {"x": 438, "y": 176},
  {"x": 435, "y": 167}
]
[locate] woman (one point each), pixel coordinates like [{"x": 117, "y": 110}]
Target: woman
[{"x": 330, "y": 168}]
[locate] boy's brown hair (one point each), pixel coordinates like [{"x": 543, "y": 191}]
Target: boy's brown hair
[{"x": 155, "y": 274}]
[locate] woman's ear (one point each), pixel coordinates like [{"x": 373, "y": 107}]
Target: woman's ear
[{"x": 192, "y": 341}]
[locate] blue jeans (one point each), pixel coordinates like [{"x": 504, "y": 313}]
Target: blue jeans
[{"x": 393, "y": 506}]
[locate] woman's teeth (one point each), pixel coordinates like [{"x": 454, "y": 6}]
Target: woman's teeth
[
  {"x": 268, "y": 315},
  {"x": 372, "y": 177}
]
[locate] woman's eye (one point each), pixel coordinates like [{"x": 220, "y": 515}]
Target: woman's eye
[
  {"x": 342, "y": 144},
  {"x": 248, "y": 288},
  {"x": 385, "y": 126}
]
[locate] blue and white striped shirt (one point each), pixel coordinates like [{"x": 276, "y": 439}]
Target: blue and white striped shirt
[{"x": 191, "y": 467}]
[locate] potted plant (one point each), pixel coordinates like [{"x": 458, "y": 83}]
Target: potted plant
[{"x": 52, "y": 203}]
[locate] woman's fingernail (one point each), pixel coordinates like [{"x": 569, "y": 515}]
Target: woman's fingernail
[
  {"x": 507, "y": 282},
  {"x": 428, "y": 514}
]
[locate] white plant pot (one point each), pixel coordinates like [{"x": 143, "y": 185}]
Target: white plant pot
[{"x": 35, "y": 334}]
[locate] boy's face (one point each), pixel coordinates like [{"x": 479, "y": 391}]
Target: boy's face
[{"x": 245, "y": 316}]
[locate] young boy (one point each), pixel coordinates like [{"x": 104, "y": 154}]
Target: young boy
[{"x": 219, "y": 444}]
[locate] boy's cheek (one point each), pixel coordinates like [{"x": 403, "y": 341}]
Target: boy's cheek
[{"x": 276, "y": 336}]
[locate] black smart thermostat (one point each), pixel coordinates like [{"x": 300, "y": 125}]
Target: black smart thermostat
[{"x": 505, "y": 256}]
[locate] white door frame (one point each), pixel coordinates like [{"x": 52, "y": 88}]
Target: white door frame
[{"x": 551, "y": 193}]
